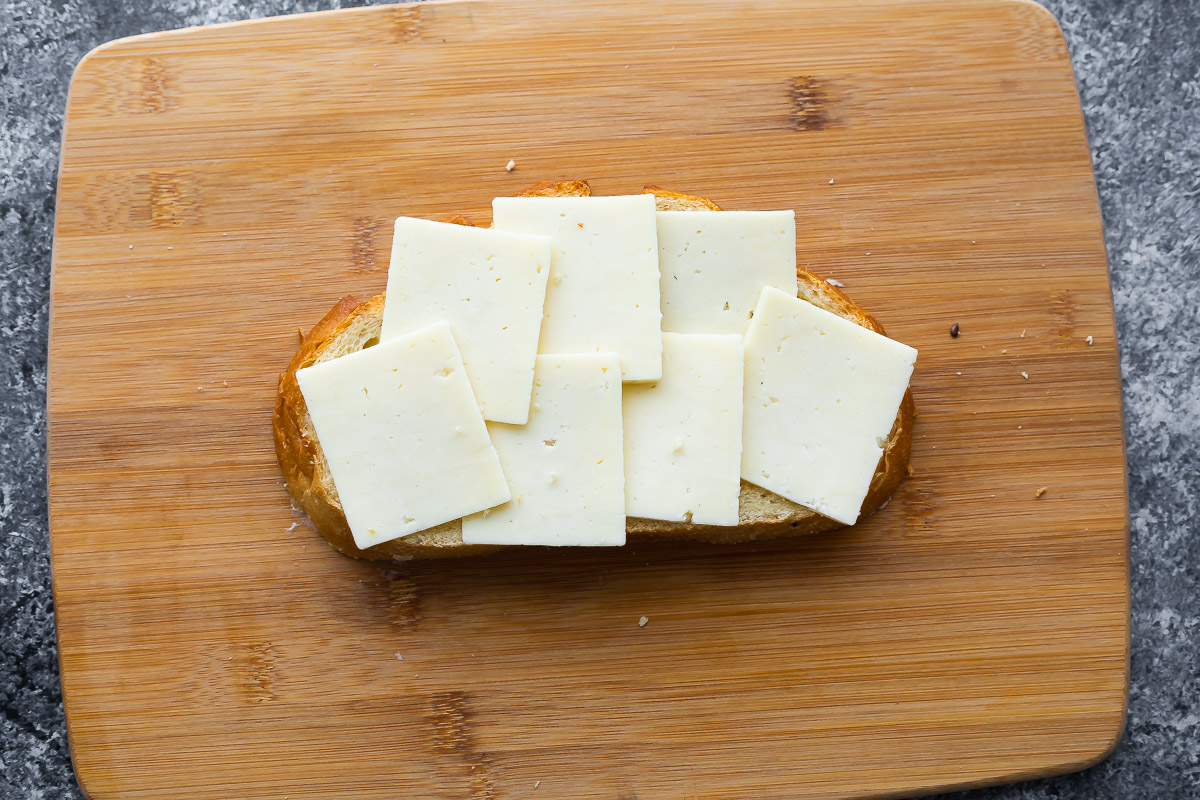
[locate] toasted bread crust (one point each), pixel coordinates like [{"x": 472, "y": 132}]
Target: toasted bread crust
[
  {"x": 558, "y": 189},
  {"x": 349, "y": 325},
  {"x": 667, "y": 200}
]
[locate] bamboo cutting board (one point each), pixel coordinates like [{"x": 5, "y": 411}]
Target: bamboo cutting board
[{"x": 222, "y": 186}]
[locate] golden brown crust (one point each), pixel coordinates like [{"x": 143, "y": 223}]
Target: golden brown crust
[
  {"x": 558, "y": 189},
  {"x": 668, "y": 200},
  {"x": 461, "y": 219},
  {"x": 307, "y": 477},
  {"x": 296, "y": 452}
]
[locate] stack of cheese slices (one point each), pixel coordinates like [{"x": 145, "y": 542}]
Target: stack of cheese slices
[{"x": 585, "y": 360}]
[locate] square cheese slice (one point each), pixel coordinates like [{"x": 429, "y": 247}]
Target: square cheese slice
[
  {"x": 406, "y": 445},
  {"x": 683, "y": 433},
  {"x": 603, "y": 292},
  {"x": 715, "y": 263},
  {"x": 490, "y": 286},
  {"x": 821, "y": 394},
  {"x": 564, "y": 466}
]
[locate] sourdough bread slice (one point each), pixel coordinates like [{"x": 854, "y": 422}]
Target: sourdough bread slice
[{"x": 353, "y": 325}]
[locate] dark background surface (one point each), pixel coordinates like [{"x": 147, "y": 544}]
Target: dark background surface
[{"x": 1138, "y": 66}]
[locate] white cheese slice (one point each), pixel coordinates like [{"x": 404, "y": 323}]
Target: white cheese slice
[
  {"x": 603, "y": 292},
  {"x": 683, "y": 433},
  {"x": 406, "y": 445},
  {"x": 821, "y": 394},
  {"x": 564, "y": 466},
  {"x": 715, "y": 263},
  {"x": 490, "y": 286}
]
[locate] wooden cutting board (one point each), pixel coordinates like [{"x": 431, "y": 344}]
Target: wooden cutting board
[{"x": 222, "y": 186}]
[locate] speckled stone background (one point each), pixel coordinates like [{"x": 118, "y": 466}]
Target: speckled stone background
[{"x": 1138, "y": 65}]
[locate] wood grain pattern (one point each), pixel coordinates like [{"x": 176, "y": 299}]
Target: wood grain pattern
[{"x": 222, "y": 186}]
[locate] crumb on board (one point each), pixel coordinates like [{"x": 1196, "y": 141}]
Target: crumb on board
[
  {"x": 510, "y": 166},
  {"x": 300, "y": 332},
  {"x": 1023, "y": 332},
  {"x": 399, "y": 657},
  {"x": 537, "y": 784},
  {"x": 1025, "y": 375},
  {"x": 830, "y": 281},
  {"x": 1039, "y": 493},
  {"x": 642, "y": 621},
  {"x": 958, "y": 373},
  {"x": 831, "y": 181},
  {"x": 1089, "y": 340}
]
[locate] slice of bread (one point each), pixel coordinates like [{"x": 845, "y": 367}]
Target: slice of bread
[{"x": 353, "y": 325}]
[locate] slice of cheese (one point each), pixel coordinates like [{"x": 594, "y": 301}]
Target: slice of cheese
[
  {"x": 715, "y": 263},
  {"x": 603, "y": 292},
  {"x": 564, "y": 467},
  {"x": 406, "y": 445},
  {"x": 683, "y": 434},
  {"x": 821, "y": 395},
  {"x": 490, "y": 286}
]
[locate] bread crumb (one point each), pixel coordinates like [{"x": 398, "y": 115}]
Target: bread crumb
[
  {"x": 399, "y": 657},
  {"x": 537, "y": 784},
  {"x": 291, "y": 527},
  {"x": 1089, "y": 340},
  {"x": 642, "y": 621},
  {"x": 958, "y": 373},
  {"x": 1039, "y": 493},
  {"x": 834, "y": 282},
  {"x": 1023, "y": 333},
  {"x": 130, "y": 247},
  {"x": 1019, "y": 427},
  {"x": 199, "y": 388},
  {"x": 831, "y": 181},
  {"x": 1025, "y": 375},
  {"x": 170, "y": 248},
  {"x": 300, "y": 332},
  {"x": 1004, "y": 351},
  {"x": 510, "y": 166}
]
